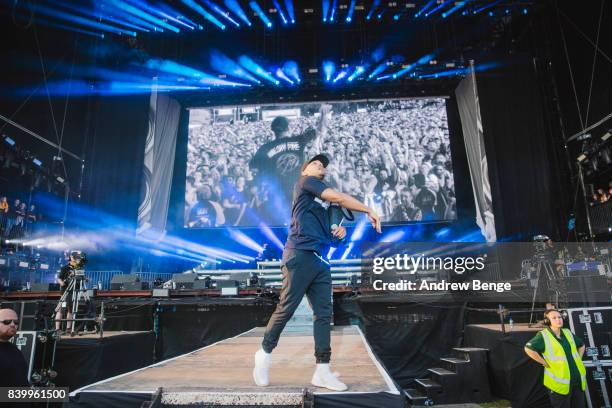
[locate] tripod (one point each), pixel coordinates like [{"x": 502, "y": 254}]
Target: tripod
[
  {"x": 75, "y": 291},
  {"x": 552, "y": 282}
]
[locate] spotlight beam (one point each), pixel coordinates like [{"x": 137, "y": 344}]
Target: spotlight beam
[
  {"x": 290, "y": 10},
  {"x": 375, "y": 5},
  {"x": 81, "y": 20},
  {"x": 424, "y": 8},
  {"x": 351, "y": 10},
  {"x": 199, "y": 9},
  {"x": 257, "y": 9},
  {"x": 234, "y": 6},
  {"x": 280, "y": 11},
  {"x": 145, "y": 16},
  {"x": 256, "y": 69},
  {"x": 457, "y": 6},
  {"x": 221, "y": 12},
  {"x": 438, "y": 8}
]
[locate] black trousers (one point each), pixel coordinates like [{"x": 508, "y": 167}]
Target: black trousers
[
  {"x": 304, "y": 273},
  {"x": 575, "y": 398}
]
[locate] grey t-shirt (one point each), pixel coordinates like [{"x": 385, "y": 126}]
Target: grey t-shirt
[{"x": 310, "y": 228}]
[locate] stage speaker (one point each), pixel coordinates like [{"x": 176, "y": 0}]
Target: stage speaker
[
  {"x": 184, "y": 280},
  {"x": 587, "y": 290},
  {"x": 201, "y": 284},
  {"x": 135, "y": 286},
  {"x": 44, "y": 287},
  {"x": 119, "y": 281},
  {"x": 230, "y": 283}
]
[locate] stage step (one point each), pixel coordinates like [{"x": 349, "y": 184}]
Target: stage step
[
  {"x": 456, "y": 365},
  {"x": 416, "y": 397}
]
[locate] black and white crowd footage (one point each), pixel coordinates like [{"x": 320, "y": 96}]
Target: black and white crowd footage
[{"x": 394, "y": 155}]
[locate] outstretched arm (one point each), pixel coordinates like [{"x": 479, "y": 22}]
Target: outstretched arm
[{"x": 346, "y": 201}]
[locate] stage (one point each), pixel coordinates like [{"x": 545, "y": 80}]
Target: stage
[{"x": 221, "y": 374}]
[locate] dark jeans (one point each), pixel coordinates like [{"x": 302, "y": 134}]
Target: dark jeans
[
  {"x": 304, "y": 272},
  {"x": 575, "y": 398}
]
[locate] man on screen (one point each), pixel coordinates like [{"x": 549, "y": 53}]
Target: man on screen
[
  {"x": 278, "y": 162},
  {"x": 305, "y": 270}
]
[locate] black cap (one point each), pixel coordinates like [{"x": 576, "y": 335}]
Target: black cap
[{"x": 320, "y": 157}]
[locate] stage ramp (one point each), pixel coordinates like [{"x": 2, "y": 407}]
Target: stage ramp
[{"x": 220, "y": 375}]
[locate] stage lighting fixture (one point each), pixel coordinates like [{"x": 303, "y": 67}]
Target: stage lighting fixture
[
  {"x": 36, "y": 162},
  {"x": 257, "y": 9},
  {"x": 424, "y": 8},
  {"x": 351, "y": 10},
  {"x": 328, "y": 69},
  {"x": 8, "y": 140}
]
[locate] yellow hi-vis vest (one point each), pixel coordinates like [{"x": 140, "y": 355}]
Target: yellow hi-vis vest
[{"x": 557, "y": 377}]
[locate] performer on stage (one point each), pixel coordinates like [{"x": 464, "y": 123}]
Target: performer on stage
[{"x": 306, "y": 271}]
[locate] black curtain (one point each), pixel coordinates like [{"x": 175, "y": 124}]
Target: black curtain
[
  {"x": 114, "y": 159},
  {"x": 523, "y": 155}
]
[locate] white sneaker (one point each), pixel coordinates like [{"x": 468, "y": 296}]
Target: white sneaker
[
  {"x": 323, "y": 377},
  {"x": 262, "y": 365}
]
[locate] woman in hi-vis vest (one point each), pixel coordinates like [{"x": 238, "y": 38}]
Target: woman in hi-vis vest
[{"x": 560, "y": 352}]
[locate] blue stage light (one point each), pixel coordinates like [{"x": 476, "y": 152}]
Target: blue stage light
[
  {"x": 378, "y": 70},
  {"x": 256, "y": 69},
  {"x": 235, "y": 7},
  {"x": 331, "y": 252},
  {"x": 221, "y": 12},
  {"x": 280, "y": 11},
  {"x": 359, "y": 230},
  {"x": 375, "y": 5},
  {"x": 358, "y": 71},
  {"x": 333, "y": 11},
  {"x": 325, "y": 9},
  {"x": 462, "y": 71},
  {"x": 71, "y": 18},
  {"x": 439, "y": 7},
  {"x": 393, "y": 236},
  {"x": 228, "y": 66},
  {"x": 279, "y": 73},
  {"x": 457, "y": 6},
  {"x": 160, "y": 9},
  {"x": 267, "y": 231},
  {"x": 351, "y": 10},
  {"x": 328, "y": 69},
  {"x": 347, "y": 251},
  {"x": 424, "y": 8},
  {"x": 196, "y": 75},
  {"x": 442, "y": 233},
  {"x": 257, "y": 9},
  {"x": 244, "y": 239},
  {"x": 87, "y": 12},
  {"x": 486, "y": 7},
  {"x": 136, "y": 11},
  {"x": 340, "y": 75},
  {"x": 290, "y": 10},
  {"x": 292, "y": 70},
  {"x": 199, "y": 9}
]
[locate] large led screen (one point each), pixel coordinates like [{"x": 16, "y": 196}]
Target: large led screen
[{"x": 392, "y": 154}]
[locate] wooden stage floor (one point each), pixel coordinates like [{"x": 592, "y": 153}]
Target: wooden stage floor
[{"x": 221, "y": 373}]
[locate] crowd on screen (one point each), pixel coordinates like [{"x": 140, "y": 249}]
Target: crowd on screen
[
  {"x": 393, "y": 155},
  {"x": 17, "y": 220}
]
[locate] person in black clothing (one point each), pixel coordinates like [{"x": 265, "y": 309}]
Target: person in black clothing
[
  {"x": 64, "y": 278},
  {"x": 278, "y": 162},
  {"x": 13, "y": 366},
  {"x": 305, "y": 270},
  {"x": 425, "y": 199}
]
